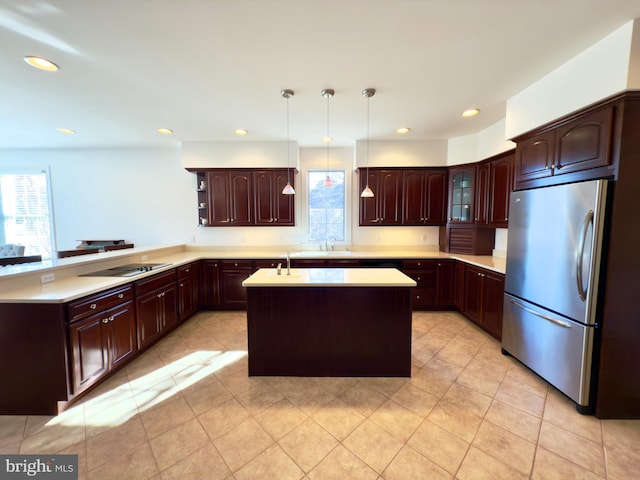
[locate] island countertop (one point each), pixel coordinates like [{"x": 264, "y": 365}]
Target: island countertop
[{"x": 330, "y": 277}]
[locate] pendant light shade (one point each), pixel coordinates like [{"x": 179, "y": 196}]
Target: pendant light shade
[
  {"x": 367, "y": 192},
  {"x": 288, "y": 189},
  {"x": 327, "y": 93}
]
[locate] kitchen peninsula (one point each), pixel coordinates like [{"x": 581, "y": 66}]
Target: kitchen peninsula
[{"x": 329, "y": 322}]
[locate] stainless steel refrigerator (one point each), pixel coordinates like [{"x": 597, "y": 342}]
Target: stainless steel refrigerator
[{"x": 551, "y": 286}]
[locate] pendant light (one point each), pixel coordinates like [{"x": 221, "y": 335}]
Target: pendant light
[
  {"x": 327, "y": 93},
  {"x": 367, "y": 192},
  {"x": 288, "y": 189}
]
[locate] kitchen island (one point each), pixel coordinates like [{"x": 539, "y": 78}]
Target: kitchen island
[{"x": 329, "y": 322}]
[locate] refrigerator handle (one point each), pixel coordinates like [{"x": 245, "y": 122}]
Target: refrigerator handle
[
  {"x": 555, "y": 321},
  {"x": 580, "y": 254}
]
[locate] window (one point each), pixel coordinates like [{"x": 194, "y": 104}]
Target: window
[
  {"x": 326, "y": 206},
  {"x": 26, "y": 212}
]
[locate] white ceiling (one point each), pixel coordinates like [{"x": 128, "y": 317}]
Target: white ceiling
[{"x": 206, "y": 67}]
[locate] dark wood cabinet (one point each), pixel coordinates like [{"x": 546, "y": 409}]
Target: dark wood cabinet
[
  {"x": 459, "y": 270},
  {"x": 578, "y": 144},
  {"x": 444, "y": 283},
  {"x": 210, "y": 288},
  {"x": 385, "y": 208},
  {"x": 423, "y": 295},
  {"x": 243, "y": 197},
  {"x": 230, "y": 197},
  {"x": 494, "y": 184},
  {"x": 272, "y": 207},
  {"x": 156, "y": 306},
  {"x": 461, "y": 194},
  {"x": 187, "y": 292},
  {"x": 483, "y": 299},
  {"x": 100, "y": 339},
  {"x": 424, "y": 197},
  {"x": 233, "y": 295}
]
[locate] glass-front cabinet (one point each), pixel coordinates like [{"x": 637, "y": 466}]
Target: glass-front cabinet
[{"x": 461, "y": 195}]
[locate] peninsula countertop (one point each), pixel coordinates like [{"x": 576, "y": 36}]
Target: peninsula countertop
[{"x": 329, "y": 277}]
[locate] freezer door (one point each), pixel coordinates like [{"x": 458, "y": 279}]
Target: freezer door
[
  {"x": 557, "y": 349},
  {"x": 554, "y": 245}
]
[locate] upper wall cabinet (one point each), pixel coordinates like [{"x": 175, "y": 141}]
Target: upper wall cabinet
[
  {"x": 245, "y": 197},
  {"x": 404, "y": 196},
  {"x": 461, "y": 194},
  {"x": 424, "y": 194},
  {"x": 494, "y": 184},
  {"x": 385, "y": 207},
  {"x": 572, "y": 147}
]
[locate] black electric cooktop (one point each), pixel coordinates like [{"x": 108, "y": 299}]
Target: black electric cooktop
[{"x": 129, "y": 270}]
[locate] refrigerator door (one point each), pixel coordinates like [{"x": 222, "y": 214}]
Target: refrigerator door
[
  {"x": 554, "y": 244},
  {"x": 557, "y": 349}
]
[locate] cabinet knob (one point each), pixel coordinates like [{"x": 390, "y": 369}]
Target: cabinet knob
[
  {"x": 158, "y": 295},
  {"x": 418, "y": 278},
  {"x": 111, "y": 318},
  {"x": 93, "y": 306},
  {"x": 121, "y": 295},
  {"x": 105, "y": 320},
  {"x": 188, "y": 270},
  {"x": 181, "y": 285}
]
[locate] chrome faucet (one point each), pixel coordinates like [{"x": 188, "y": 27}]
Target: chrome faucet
[{"x": 288, "y": 262}]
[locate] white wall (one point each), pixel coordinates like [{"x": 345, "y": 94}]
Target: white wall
[
  {"x": 239, "y": 154},
  {"x": 140, "y": 195},
  {"x": 598, "y": 72},
  {"x": 403, "y": 153}
]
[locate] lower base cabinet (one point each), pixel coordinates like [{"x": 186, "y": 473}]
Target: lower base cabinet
[
  {"x": 100, "y": 342},
  {"x": 156, "y": 306},
  {"x": 483, "y": 299}
]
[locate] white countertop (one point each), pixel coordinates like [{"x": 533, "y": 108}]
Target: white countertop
[
  {"x": 329, "y": 277},
  {"x": 22, "y": 283}
]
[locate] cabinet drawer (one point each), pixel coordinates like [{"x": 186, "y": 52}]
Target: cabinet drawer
[
  {"x": 100, "y": 301},
  {"x": 418, "y": 264},
  {"x": 423, "y": 278},
  {"x": 233, "y": 264},
  {"x": 155, "y": 282},
  {"x": 423, "y": 297},
  {"x": 185, "y": 270},
  {"x": 270, "y": 263}
]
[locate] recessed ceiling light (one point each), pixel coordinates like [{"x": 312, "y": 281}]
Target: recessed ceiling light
[
  {"x": 41, "y": 63},
  {"x": 165, "y": 131},
  {"x": 241, "y": 131},
  {"x": 327, "y": 139},
  {"x": 471, "y": 112},
  {"x": 403, "y": 130},
  {"x": 66, "y": 131}
]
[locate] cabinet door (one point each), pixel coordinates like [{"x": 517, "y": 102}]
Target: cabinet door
[
  {"x": 390, "y": 198},
  {"x": 492, "y": 303},
  {"x": 435, "y": 210},
  {"x": 444, "y": 284},
  {"x": 122, "y": 334},
  {"x": 219, "y": 193},
  {"x": 584, "y": 143},
  {"x": 283, "y": 205},
  {"x": 413, "y": 197},
  {"x": 483, "y": 174},
  {"x": 473, "y": 294},
  {"x": 168, "y": 307},
  {"x": 232, "y": 273},
  {"x": 369, "y": 206},
  {"x": 534, "y": 157},
  {"x": 89, "y": 360},
  {"x": 461, "y": 195},
  {"x": 186, "y": 298},
  {"x": 263, "y": 193},
  {"x": 459, "y": 285},
  {"x": 241, "y": 201},
  {"x": 149, "y": 326},
  {"x": 501, "y": 186},
  {"x": 210, "y": 290}
]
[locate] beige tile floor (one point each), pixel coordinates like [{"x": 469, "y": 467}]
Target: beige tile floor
[{"x": 187, "y": 410}]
